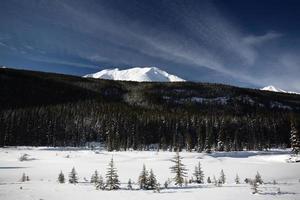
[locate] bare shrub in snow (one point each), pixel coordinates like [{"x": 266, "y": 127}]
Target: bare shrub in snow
[{"x": 24, "y": 157}]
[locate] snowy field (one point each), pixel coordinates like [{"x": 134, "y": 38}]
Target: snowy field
[{"x": 46, "y": 163}]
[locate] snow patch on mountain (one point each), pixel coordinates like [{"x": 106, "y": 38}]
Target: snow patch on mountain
[{"x": 139, "y": 74}]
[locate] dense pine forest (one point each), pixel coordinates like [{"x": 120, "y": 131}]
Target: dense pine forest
[{"x": 46, "y": 109}]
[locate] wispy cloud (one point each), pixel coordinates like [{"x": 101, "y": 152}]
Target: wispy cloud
[{"x": 258, "y": 40}]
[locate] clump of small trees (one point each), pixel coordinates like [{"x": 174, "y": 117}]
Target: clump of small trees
[
  {"x": 199, "y": 174},
  {"x": 255, "y": 182},
  {"x": 147, "y": 179},
  {"x": 24, "y": 178}
]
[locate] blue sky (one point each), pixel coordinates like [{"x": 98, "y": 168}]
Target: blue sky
[{"x": 245, "y": 43}]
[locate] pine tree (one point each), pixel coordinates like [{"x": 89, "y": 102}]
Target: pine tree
[
  {"x": 61, "y": 177},
  {"x": 143, "y": 178},
  {"x": 222, "y": 177},
  {"x": 129, "y": 185},
  {"x": 73, "y": 176},
  {"x": 295, "y": 141},
  {"x": 198, "y": 173},
  {"x": 179, "y": 170},
  {"x": 258, "y": 178},
  {"x": 100, "y": 185},
  {"x": 112, "y": 178},
  {"x": 95, "y": 177},
  {"x": 237, "y": 179},
  {"x": 151, "y": 182}
]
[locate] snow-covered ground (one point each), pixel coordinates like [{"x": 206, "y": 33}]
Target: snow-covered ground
[{"x": 46, "y": 163}]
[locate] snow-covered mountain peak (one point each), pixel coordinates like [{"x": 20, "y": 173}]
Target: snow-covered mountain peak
[
  {"x": 272, "y": 89},
  {"x": 140, "y": 74},
  {"x": 276, "y": 89}
]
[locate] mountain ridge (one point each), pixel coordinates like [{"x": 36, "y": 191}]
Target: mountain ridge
[{"x": 72, "y": 110}]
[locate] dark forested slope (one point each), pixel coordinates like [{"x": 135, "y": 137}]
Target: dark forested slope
[{"x": 58, "y": 110}]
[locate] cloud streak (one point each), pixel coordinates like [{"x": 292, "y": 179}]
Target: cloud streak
[{"x": 258, "y": 40}]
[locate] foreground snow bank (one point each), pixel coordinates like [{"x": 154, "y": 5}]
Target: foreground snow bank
[{"x": 44, "y": 169}]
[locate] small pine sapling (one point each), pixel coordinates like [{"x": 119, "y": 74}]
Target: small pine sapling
[
  {"x": 95, "y": 177},
  {"x": 215, "y": 181},
  {"x": 143, "y": 178},
  {"x": 61, "y": 177},
  {"x": 73, "y": 176},
  {"x": 157, "y": 188},
  {"x": 151, "y": 182},
  {"x": 258, "y": 178},
  {"x": 23, "y": 178},
  {"x": 166, "y": 184},
  {"x": 237, "y": 179},
  {"x": 100, "y": 185},
  {"x": 129, "y": 185},
  {"x": 222, "y": 177},
  {"x": 208, "y": 180}
]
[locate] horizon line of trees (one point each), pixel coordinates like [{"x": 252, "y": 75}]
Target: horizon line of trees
[{"x": 120, "y": 128}]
